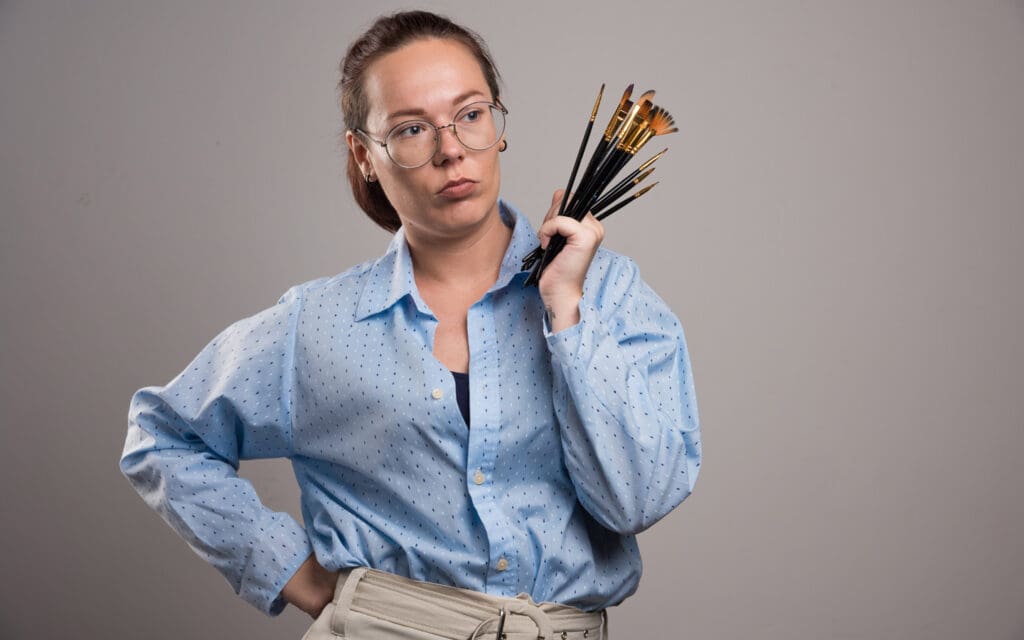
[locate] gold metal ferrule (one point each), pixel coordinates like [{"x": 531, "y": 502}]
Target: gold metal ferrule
[
  {"x": 652, "y": 160},
  {"x": 644, "y": 190},
  {"x": 638, "y": 136},
  {"x": 597, "y": 103},
  {"x": 641, "y": 139},
  {"x": 625, "y": 106},
  {"x": 629, "y": 125},
  {"x": 640, "y": 178}
]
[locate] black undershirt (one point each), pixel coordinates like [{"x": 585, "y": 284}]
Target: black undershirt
[{"x": 462, "y": 393}]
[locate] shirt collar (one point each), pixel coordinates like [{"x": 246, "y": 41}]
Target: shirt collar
[{"x": 390, "y": 278}]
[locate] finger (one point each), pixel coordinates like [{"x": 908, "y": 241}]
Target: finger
[
  {"x": 574, "y": 231},
  {"x": 554, "y": 225},
  {"x": 556, "y": 202},
  {"x": 596, "y": 225}
]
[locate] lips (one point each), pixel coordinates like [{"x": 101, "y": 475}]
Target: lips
[{"x": 458, "y": 188}]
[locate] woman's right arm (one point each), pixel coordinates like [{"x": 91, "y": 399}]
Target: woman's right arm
[{"x": 185, "y": 441}]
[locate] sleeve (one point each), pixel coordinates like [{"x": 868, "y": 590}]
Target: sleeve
[
  {"x": 625, "y": 402},
  {"x": 185, "y": 441}
]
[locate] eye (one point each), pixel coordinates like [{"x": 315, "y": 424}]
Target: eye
[
  {"x": 409, "y": 130},
  {"x": 472, "y": 115}
]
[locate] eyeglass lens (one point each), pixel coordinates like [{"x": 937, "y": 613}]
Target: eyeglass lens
[{"x": 478, "y": 126}]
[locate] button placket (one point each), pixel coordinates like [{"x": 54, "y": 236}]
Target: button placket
[{"x": 485, "y": 397}]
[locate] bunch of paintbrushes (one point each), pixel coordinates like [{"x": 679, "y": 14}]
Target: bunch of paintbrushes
[{"x": 631, "y": 127}]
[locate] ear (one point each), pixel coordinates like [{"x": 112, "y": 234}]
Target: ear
[{"x": 360, "y": 152}]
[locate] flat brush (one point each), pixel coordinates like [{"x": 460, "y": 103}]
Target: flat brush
[{"x": 579, "y": 154}]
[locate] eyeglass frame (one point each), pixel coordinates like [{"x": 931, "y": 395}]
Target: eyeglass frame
[{"x": 437, "y": 133}]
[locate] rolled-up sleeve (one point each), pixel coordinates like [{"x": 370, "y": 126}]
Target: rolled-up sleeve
[
  {"x": 625, "y": 400},
  {"x": 185, "y": 441}
]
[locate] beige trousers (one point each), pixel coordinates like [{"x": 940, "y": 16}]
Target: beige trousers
[{"x": 375, "y": 605}]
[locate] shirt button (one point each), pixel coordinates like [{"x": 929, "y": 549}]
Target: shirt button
[
  {"x": 436, "y": 394},
  {"x": 478, "y": 477},
  {"x": 502, "y": 564}
]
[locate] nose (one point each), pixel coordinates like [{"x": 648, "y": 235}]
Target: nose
[{"x": 448, "y": 145}]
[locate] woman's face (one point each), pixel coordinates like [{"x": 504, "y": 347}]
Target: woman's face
[{"x": 456, "y": 192}]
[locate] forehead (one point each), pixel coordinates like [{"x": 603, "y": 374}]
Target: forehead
[{"x": 425, "y": 74}]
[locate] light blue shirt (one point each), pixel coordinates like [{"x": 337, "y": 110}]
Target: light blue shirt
[{"x": 579, "y": 439}]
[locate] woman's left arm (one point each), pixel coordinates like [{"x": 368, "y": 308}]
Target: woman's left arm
[{"x": 623, "y": 387}]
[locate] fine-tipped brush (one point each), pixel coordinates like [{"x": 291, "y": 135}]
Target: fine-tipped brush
[
  {"x": 579, "y": 154},
  {"x": 604, "y": 214},
  {"x": 634, "y": 178},
  {"x": 616, "y": 192}
]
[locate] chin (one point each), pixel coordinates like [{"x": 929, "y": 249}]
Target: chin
[{"x": 474, "y": 209}]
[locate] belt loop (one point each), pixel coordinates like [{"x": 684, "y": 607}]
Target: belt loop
[
  {"x": 340, "y": 582},
  {"x": 344, "y": 591}
]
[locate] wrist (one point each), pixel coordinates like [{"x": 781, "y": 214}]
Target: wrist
[
  {"x": 311, "y": 588},
  {"x": 562, "y": 312}
]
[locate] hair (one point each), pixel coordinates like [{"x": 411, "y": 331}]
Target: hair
[{"x": 385, "y": 35}]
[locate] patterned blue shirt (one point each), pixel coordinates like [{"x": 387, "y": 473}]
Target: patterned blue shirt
[{"x": 579, "y": 439}]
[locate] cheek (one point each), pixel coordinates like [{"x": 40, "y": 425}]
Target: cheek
[{"x": 402, "y": 187}]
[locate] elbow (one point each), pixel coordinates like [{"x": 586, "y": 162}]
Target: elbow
[
  {"x": 138, "y": 463},
  {"x": 661, "y": 498},
  {"x": 629, "y": 521}
]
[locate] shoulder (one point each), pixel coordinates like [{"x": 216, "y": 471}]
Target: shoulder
[{"x": 339, "y": 293}]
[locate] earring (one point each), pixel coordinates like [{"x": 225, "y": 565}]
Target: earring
[
  {"x": 369, "y": 178},
  {"x": 504, "y": 145}
]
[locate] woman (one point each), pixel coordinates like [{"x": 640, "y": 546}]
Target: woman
[{"x": 466, "y": 447}]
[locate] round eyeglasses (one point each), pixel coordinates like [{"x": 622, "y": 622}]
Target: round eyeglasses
[{"x": 411, "y": 144}]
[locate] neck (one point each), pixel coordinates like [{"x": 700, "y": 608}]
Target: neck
[{"x": 464, "y": 259}]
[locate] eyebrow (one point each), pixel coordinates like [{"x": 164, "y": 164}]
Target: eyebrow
[{"x": 420, "y": 112}]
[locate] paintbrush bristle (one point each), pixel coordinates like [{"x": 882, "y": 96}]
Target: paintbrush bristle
[
  {"x": 662, "y": 122},
  {"x": 620, "y": 112}
]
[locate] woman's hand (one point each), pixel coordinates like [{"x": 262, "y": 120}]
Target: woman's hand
[
  {"x": 561, "y": 284},
  {"x": 311, "y": 588}
]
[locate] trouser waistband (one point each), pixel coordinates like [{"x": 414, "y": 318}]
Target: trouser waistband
[{"x": 451, "y": 612}]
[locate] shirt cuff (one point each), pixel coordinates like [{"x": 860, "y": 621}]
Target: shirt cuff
[{"x": 276, "y": 556}]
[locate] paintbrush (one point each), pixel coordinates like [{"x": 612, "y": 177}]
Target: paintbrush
[
  {"x": 617, "y": 191},
  {"x": 604, "y": 214},
  {"x": 579, "y": 154}
]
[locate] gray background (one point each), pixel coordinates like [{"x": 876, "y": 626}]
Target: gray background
[{"x": 839, "y": 227}]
